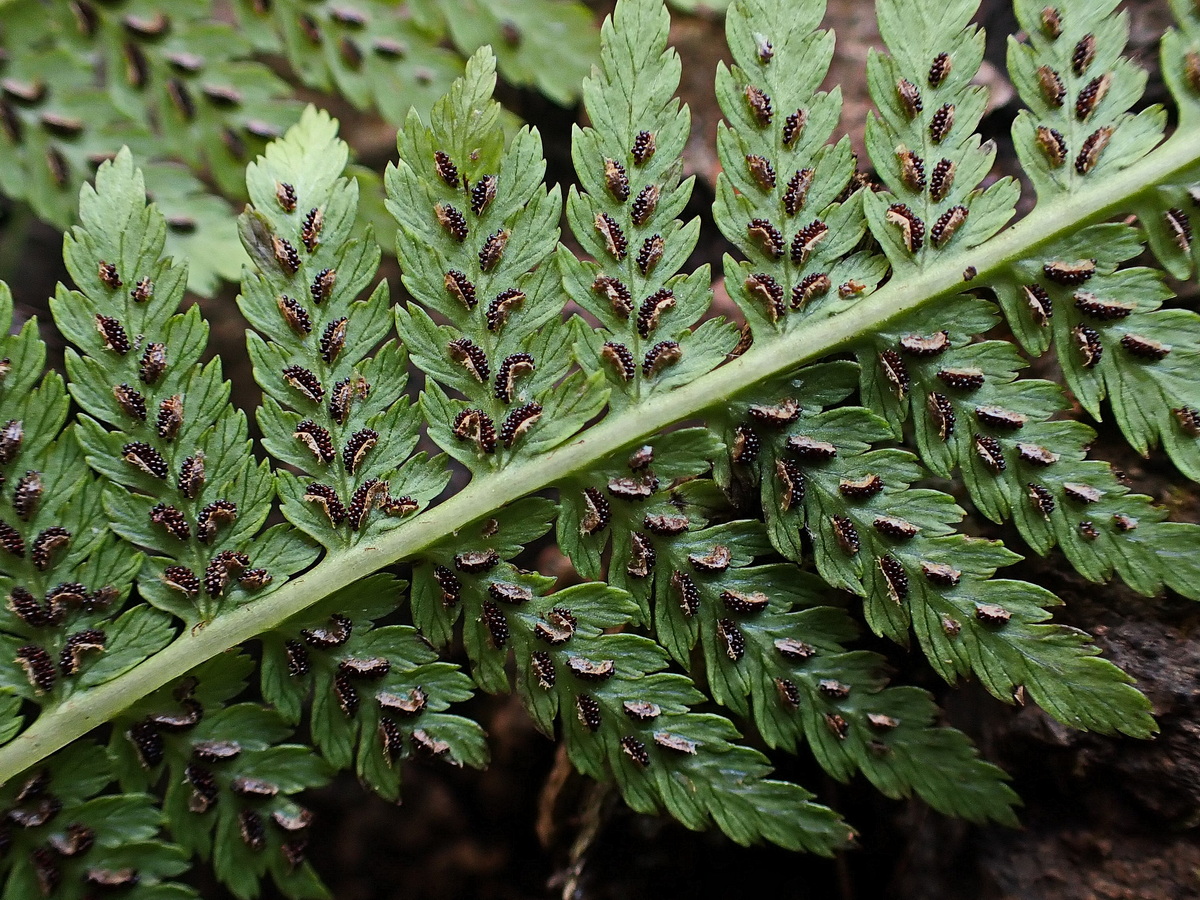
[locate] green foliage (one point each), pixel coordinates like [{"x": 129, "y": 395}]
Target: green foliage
[
  {"x": 157, "y": 424},
  {"x": 190, "y": 92},
  {"x": 229, "y": 777},
  {"x": 629, "y": 166},
  {"x": 477, "y": 234},
  {"x": 377, "y": 58},
  {"x": 71, "y": 836},
  {"x": 781, "y": 185},
  {"x": 181, "y": 88},
  {"x": 730, "y": 502},
  {"x": 330, "y": 411}
]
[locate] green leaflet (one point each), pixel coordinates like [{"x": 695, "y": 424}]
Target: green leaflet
[
  {"x": 378, "y": 59},
  {"x": 1110, "y": 335},
  {"x": 1077, "y": 85},
  {"x": 177, "y": 87},
  {"x": 629, "y": 165},
  {"x": 547, "y": 44},
  {"x": 230, "y": 777},
  {"x": 1050, "y": 297},
  {"x": 758, "y": 653},
  {"x": 784, "y": 191},
  {"x": 895, "y": 545},
  {"x": 631, "y": 493},
  {"x": 182, "y": 484},
  {"x": 620, "y": 715},
  {"x": 1170, "y": 235},
  {"x": 923, "y": 139},
  {"x": 378, "y": 694},
  {"x": 818, "y": 466},
  {"x": 1112, "y": 338},
  {"x": 477, "y": 230},
  {"x": 107, "y": 834},
  {"x": 184, "y": 87},
  {"x": 333, "y": 412},
  {"x": 63, "y": 626},
  {"x": 369, "y": 55},
  {"x": 1012, "y": 454}
]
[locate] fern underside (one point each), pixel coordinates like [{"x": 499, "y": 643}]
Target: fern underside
[{"x": 713, "y": 556}]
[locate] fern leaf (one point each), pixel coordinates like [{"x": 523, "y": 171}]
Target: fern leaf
[
  {"x": 1011, "y": 450},
  {"x": 605, "y": 688},
  {"x": 547, "y": 44},
  {"x": 923, "y": 139},
  {"x": 943, "y": 375},
  {"x": 370, "y": 55},
  {"x": 821, "y": 478},
  {"x": 838, "y": 489},
  {"x": 629, "y": 165},
  {"x": 171, "y": 84},
  {"x": 378, "y": 59},
  {"x": 1166, "y": 212},
  {"x": 64, "y": 626},
  {"x": 71, "y": 838},
  {"x": 622, "y": 716},
  {"x": 187, "y": 78},
  {"x": 44, "y": 169},
  {"x": 1077, "y": 87},
  {"x": 477, "y": 230},
  {"x": 230, "y": 777},
  {"x": 784, "y": 191},
  {"x": 159, "y": 424},
  {"x": 621, "y": 503},
  {"x": 1112, "y": 338},
  {"x": 758, "y": 653},
  {"x": 377, "y": 691},
  {"x": 334, "y": 411}
]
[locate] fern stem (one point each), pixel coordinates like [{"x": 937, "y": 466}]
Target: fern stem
[{"x": 85, "y": 711}]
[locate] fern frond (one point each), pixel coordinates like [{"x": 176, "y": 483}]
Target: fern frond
[
  {"x": 920, "y": 363},
  {"x": 64, "y": 627},
  {"x": 43, "y": 168},
  {"x": 184, "y": 76},
  {"x": 159, "y": 426},
  {"x": 379, "y": 59},
  {"x": 378, "y": 694},
  {"x": 476, "y": 238},
  {"x": 629, "y": 165},
  {"x": 923, "y": 139},
  {"x": 620, "y": 714},
  {"x": 230, "y": 778},
  {"x": 444, "y": 588},
  {"x": 333, "y": 410},
  {"x": 172, "y": 84},
  {"x": 1077, "y": 88},
  {"x": 688, "y": 582},
  {"x": 620, "y": 504},
  {"x": 67, "y": 838},
  {"x": 369, "y": 54},
  {"x": 1017, "y": 460},
  {"x": 786, "y": 198},
  {"x": 1110, "y": 336},
  {"x": 547, "y": 44},
  {"x": 874, "y": 534},
  {"x": 770, "y": 649}
]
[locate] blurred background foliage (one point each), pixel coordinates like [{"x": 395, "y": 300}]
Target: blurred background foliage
[{"x": 197, "y": 87}]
